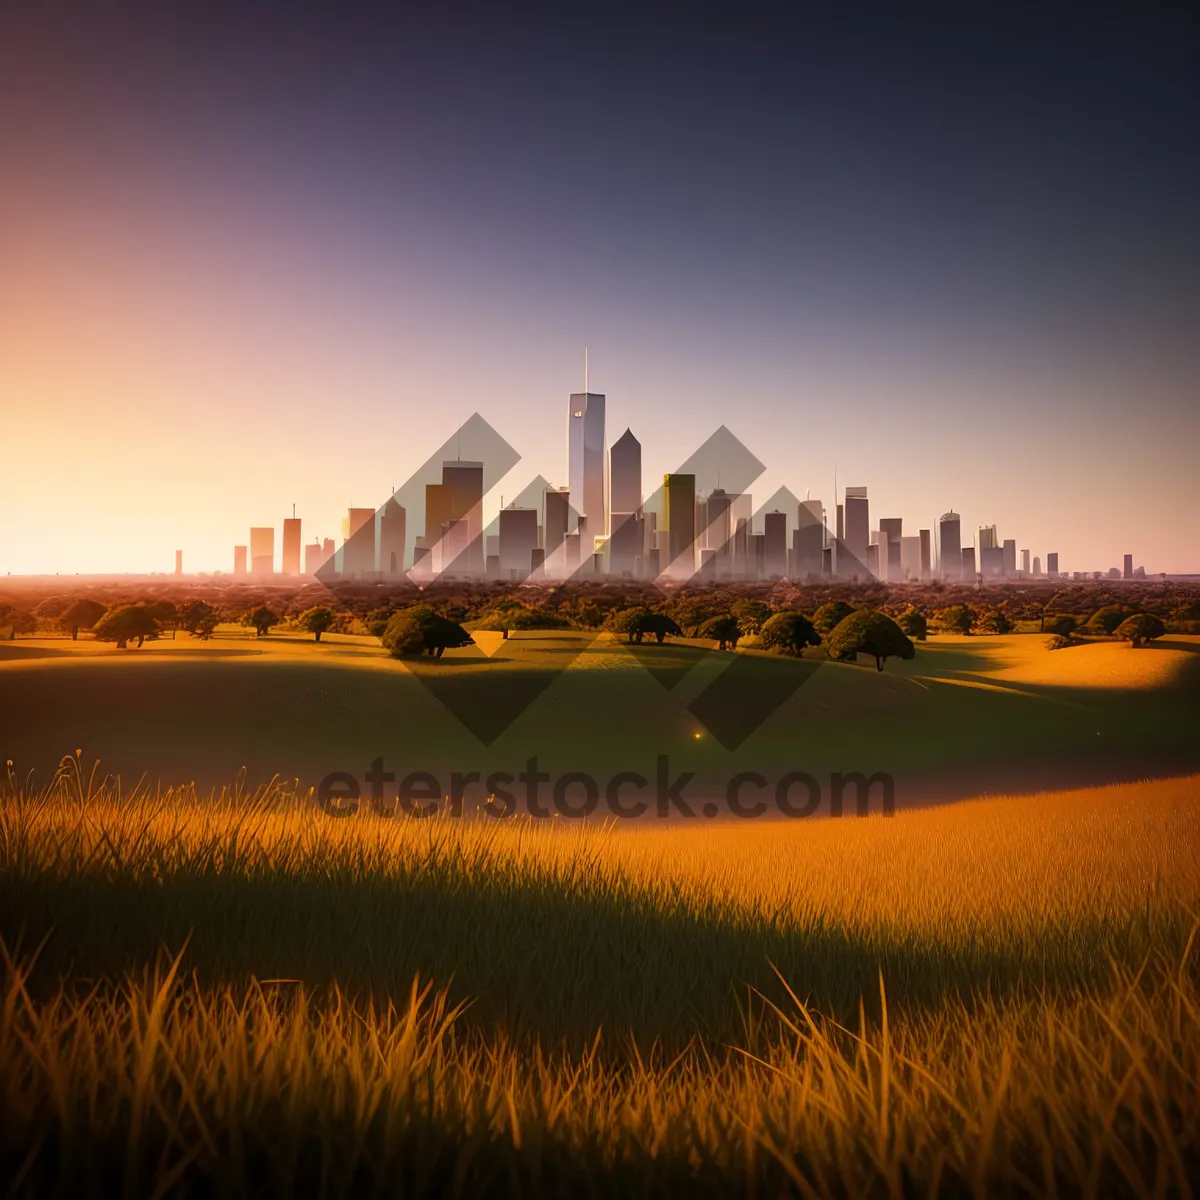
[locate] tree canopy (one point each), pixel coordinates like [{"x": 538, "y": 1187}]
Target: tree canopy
[
  {"x": 829, "y": 616},
  {"x": 81, "y": 614},
  {"x": 122, "y": 625},
  {"x": 788, "y": 633},
  {"x": 420, "y": 630},
  {"x": 316, "y": 620},
  {"x": 958, "y": 618},
  {"x": 1140, "y": 629},
  {"x": 914, "y": 623},
  {"x": 1105, "y": 620},
  {"x": 262, "y": 618},
  {"x": 873, "y": 633},
  {"x": 724, "y": 630}
]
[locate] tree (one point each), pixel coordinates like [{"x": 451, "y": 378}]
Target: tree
[
  {"x": 81, "y": 614},
  {"x": 1061, "y": 641},
  {"x": 511, "y": 616},
  {"x": 788, "y": 633},
  {"x": 751, "y": 615},
  {"x": 1105, "y": 620},
  {"x": 1061, "y": 625},
  {"x": 262, "y": 618},
  {"x": 315, "y": 620},
  {"x": 419, "y": 630},
  {"x": 166, "y": 614},
  {"x": 122, "y": 624},
  {"x": 724, "y": 630},
  {"x": 829, "y": 616},
  {"x": 660, "y": 626},
  {"x": 958, "y": 618},
  {"x": 629, "y": 621},
  {"x": 197, "y": 615},
  {"x": 21, "y": 622},
  {"x": 914, "y": 624},
  {"x": 993, "y": 620},
  {"x": 1140, "y": 629},
  {"x": 867, "y": 632}
]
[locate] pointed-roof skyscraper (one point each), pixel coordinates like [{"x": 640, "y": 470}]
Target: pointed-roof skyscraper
[{"x": 625, "y": 474}]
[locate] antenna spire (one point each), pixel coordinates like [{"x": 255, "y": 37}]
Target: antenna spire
[{"x": 585, "y": 371}]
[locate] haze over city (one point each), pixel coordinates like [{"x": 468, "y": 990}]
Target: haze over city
[{"x": 277, "y": 262}]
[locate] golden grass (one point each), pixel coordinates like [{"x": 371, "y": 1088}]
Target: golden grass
[
  {"x": 1102, "y": 665},
  {"x": 999, "y": 997}
]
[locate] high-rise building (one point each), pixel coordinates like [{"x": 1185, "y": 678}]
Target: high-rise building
[
  {"x": 808, "y": 541},
  {"x": 1008, "y": 552},
  {"x": 858, "y": 534},
  {"x": 178, "y": 562},
  {"x": 465, "y": 480},
  {"x": 439, "y": 509},
  {"x": 314, "y": 558},
  {"x": 393, "y": 538},
  {"x": 1052, "y": 564},
  {"x": 1025, "y": 562},
  {"x": 679, "y": 524},
  {"x": 262, "y": 550},
  {"x": 892, "y": 527},
  {"x": 291, "y": 545},
  {"x": 950, "y": 545},
  {"x": 910, "y": 557},
  {"x": 585, "y": 461},
  {"x": 240, "y": 556},
  {"x": 1127, "y": 573},
  {"x": 1037, "y": 565},
  {"x": 626, "y": 543},
  {"x": 518, "y": 539},
  {"x": 719, "y": 518},
  {"x": 991, "y": 562},
  {"x": 926, "y": 556},
  {"x": 358, "y": 553},
  {"x": 775, "y": 562},
  {"x": 968, "y": 564},
  {"x": 625, "y": 474},
  {"x": 987, "y": 537}
]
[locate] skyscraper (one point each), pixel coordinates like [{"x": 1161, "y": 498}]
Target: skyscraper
[
  {"x": 626, "y": 543},
  {"x": 239, "y": 559},
  {"x": 1009, "y": 557},
  {"x": 892, "y": 527},
  {"x": 358, "y": 554},
  {"x": 809, "y": 539},
  {"x": 625, "y": 474},
  {"x": 585, "y": 461},
  {"x": 1127, "y": 573},
  {"x": 950, "y": 545},
  {"x": 518, "y": 539},
  {"x": 291, "y": 545},
  {"x": 314, "y": 558},
  {"x": 926, "y": 557},
  {"x": 262, "y": 550},
  {"x": 1025, "y": 561},
  {"x": 720, "y": 530},
  {"x": 1052, "y": 563},
  {"x": 858, "y": 533},
  {"x": 775, "y": 545},
  {"x": 1037, "y": 565},
  {"x": 393, "y": 536},
  {"x": 465, "y": 480},
  {"x": 178, "y": 562},
  {"x": 439, "y": 509},
  {"x": 679, "y": 524},
  {"x": 987, "y": 537}
]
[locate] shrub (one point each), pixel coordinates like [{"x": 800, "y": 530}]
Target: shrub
[
  {"x": 419, "y": 630},
  {"x": 958, "y": 618},
  {"x": 1140, "y": 629},
  {"x": 1062, "y": 625},
  {"x": 316, "y": 620},
  {"x": 1061, "y": 641},
  {"x": 994, "y": 620},
  {"x": 829, "y": 616},
  {"x": 914, "y": 624},
  {"x": 724, "y": 630},
  {"x": 1105, "y": 620}
]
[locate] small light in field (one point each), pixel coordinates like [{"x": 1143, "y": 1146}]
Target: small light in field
[{"x": 697, "y": 735}]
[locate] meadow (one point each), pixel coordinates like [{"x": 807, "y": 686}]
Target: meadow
[{"x": 236, "y": 994}]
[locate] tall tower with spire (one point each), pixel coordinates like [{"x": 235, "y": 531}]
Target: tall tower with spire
[{"x": 586, "y": 474}]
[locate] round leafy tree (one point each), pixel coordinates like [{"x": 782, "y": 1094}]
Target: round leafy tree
[
  {"x": 914, "y": 624},
  {"x": 629, "y": 621},
  {"x": 958, "y": 618},
  {"x": 829, "y": 616},
  {"x": 724, "y": 630},
  {"x": 873, "y": 633},
  {"x": 81, "y": 614},
  {"x": 788, "y": 633},
  {"x": 122, "y": 625},
  {"x": 419, "y": 630},
  {"x": 1140, "y": 629},
  {"x": 1105, "y": 620},
  {"x": 315, "y": 620},
  {"x": 262, "y": 618},
  {"x": 1061, "y": 625},
  {"x": 198, "y": 615},
  {"x": 660, "y": 627},
  {"x": 751, "y": 615},
  {"x": 1061, "y": 641}
]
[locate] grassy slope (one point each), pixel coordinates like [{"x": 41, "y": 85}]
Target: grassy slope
[
  {"x": 1042, "y": 1028},
  {"x": 968, "y": 715}
]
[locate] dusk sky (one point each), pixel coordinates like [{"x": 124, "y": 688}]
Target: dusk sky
[{"x": 251, "y": 259}]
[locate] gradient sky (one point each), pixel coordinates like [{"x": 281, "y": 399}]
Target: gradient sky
[{"x": 251, "y": 258}]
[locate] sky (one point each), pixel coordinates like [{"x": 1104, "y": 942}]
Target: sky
[{"x": 252, "y": 258}]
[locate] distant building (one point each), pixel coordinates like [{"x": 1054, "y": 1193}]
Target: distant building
[
  {"x": 626, "y": 543},
  {"x": 720, "y": 530},
  {"x": 926, "y": 555},
  {"x": 991, "y": 562},
  {"x": 262, "y": 550},
  {"x": 1052, "y": 564},
  {"x": 358, "y": 553},
  {"x": 625, "y": 474},
  {"x": 291, "y": 546},
  {"x": 892, "y": 529},
  {"x": 314, "y": 558},
  {"x": 518, "y": 540},
  {"x": 178, "y": 562},
  {"x": 987, "y": 537},
  {"x": 1037, "y": 565},
  {"x": 679, "y": 523},
  {"x": 910, "y": 557},
  {"x": 240, "y": 559},
  {"x": 967, "y": 574},
  {"x": 1128, "y": 571},
  {"x": 1025, "y": 561},
  {"x": 585, "y": 460},
  {"x": 775, "y": 545},
  {"x": 1008, "y": 557},
  {"x": 439, "y": 509},
  {"x": 393, "y": 538},
  {"x": 873, "y": 559},
  {"x": 950, "y": 560},
  {"x": 808, "y": 542},
  {"x": 858, "y": 534},
  {"x": 557, "y": 505},
  {"x": 465, "y": 481}
]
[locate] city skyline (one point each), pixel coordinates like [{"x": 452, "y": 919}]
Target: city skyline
[{"x": 935, "y": 257}]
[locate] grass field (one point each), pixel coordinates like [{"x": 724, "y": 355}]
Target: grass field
[
  {"x": 967, "y": 716},
  {"x": 238, "y": 994}
]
